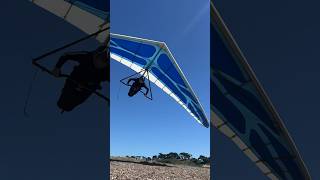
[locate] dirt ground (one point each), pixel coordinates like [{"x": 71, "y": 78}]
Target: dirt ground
[{"x": 135, "y": 171}]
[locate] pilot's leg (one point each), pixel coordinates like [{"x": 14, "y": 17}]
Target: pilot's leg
[
  {"x": 71, "y": 97},
  {"x": 133, "y": 90}
]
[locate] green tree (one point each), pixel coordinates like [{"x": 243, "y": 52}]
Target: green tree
[
  {"x": 185, "y": 156},
  {"x": 204, "y": 159},
  {"x": 161, "y": 156},
  {"x": 173, "y": 155}
]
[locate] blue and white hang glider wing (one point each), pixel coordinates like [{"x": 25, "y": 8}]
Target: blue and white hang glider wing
[
  {"x": 87, "y": 15},
  {"x": 139, "y": 54},
  {"x": 241, "y": 110}
]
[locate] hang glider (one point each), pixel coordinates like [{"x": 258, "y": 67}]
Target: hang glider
[
  {"x": 241, "y": 110},
  {"x": 155, "y": 57}
]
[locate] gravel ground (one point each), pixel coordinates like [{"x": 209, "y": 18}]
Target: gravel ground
[{"x": 134, "y": 171}]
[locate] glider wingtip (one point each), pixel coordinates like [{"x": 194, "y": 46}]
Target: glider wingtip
[{"x": 206, "y": 125}]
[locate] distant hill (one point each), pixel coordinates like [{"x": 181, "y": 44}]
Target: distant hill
[{"x": 172, "y": 158}]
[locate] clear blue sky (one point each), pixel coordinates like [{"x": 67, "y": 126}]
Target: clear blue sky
[{"x": 143, "y": 127}]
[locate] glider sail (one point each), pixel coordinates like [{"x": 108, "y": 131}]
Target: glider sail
[
  {"x": 155, "y": 57},
  {"x": 241, "y": 110},
  {"x": 87, "y": 15}
]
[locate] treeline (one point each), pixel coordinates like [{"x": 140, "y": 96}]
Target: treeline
[{"x": 176, "y": 158}]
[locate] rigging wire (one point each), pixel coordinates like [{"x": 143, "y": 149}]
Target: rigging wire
[
  {"x": 149, "y": 85},
  {"x": 118, "y": 91},
  {"x": 29, "y": 93}
]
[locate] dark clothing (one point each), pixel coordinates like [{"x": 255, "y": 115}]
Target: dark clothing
[
  {"x": 136, "y": 86},
  {"x": 72, "y": 96},
  {"x": 84, "y": 80},
  {"x": 85, "y": 71}
]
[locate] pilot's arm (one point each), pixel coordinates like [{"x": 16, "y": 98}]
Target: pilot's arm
[
  {"x": 131, "y": 79},
  {"x": 76, "y": 56}
]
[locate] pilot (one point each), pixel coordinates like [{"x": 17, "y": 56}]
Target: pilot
[
  {"x": 136, "y": 86},
  {"x": 86, "y": 77}
]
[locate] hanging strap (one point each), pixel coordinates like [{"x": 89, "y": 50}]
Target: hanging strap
[{"x": 149, "y": 87}]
